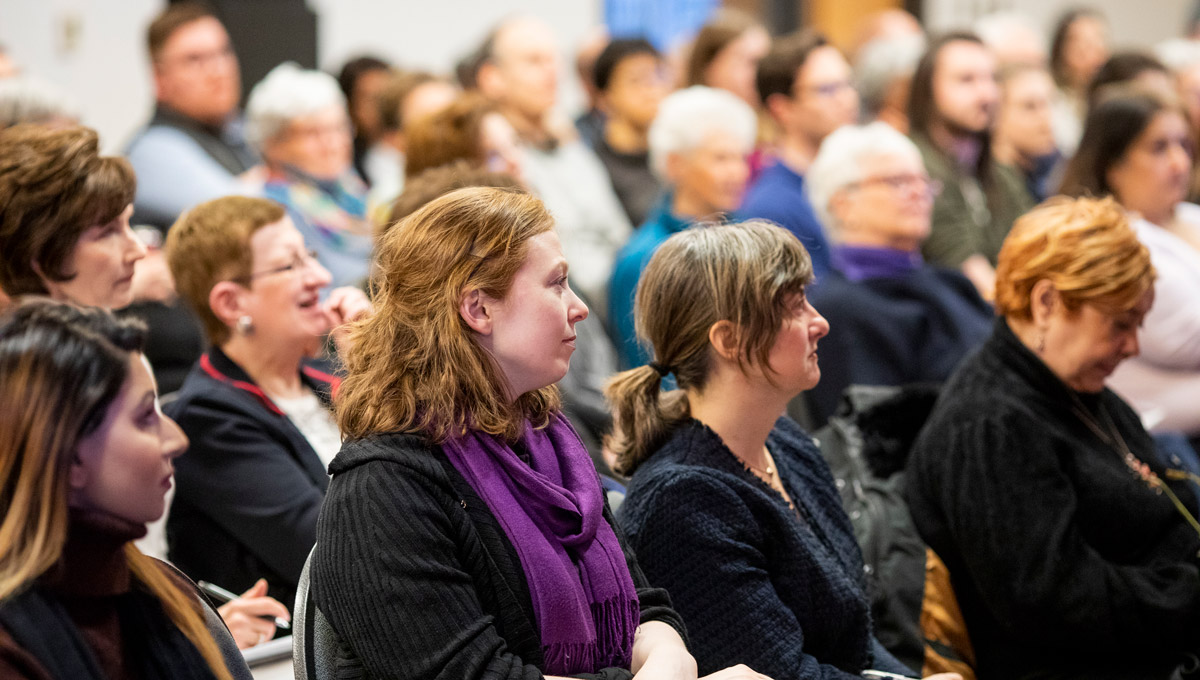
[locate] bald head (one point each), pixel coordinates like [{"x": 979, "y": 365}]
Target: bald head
[{"x": 521, "y": 72}]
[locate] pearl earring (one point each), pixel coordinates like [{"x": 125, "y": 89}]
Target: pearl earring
[{"x": 245, "y": 324}]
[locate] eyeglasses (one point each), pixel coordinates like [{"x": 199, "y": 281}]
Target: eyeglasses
[
  {"x": 828, "y": 90},
  {"x": 903, "y": 183},
  {"x": 299, "y": 262},
  {"x": 195, "y": 61}
]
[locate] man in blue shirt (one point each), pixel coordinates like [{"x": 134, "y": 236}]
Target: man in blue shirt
[{"x": 805, "y": 85}]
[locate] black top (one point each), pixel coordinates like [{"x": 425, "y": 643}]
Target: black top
[
  {"x": 780, "y": 590},
  {"x": 419, "y": 579},
  {"x": 1065, "y": 564},
  {"x": 913, "y": 328},
  {"x": 250, "y": 486},
  {"x": 636, "y": 186}
]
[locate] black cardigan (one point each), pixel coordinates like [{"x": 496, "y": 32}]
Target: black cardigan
[
  {"x": 250, "y": 486},
  {"x": 785, "y": 595},
  {"x": 1064, "y": 563},
  {"x": 418, "y": 578}
]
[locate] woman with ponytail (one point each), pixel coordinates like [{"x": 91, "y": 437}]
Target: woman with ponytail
[
  {"x": 731, "y": 507},
  {"x": 85, "y": 460}
]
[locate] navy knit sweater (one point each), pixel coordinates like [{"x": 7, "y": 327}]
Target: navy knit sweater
[{"x": 781, "y": 591}]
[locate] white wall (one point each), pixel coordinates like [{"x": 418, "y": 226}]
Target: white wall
[{"x": 104, "y": 67}]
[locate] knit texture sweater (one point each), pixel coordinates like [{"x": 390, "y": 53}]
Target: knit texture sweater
[
  {"x": 1064, "y": 562},
  {"x": 417, "y": 576},
  {"x": 758, "y": 583}
]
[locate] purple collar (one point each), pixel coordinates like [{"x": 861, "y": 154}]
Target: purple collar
[{"x": 869, "y": 262}]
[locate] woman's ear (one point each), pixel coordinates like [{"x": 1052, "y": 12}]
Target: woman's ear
[
  {"x": 225, "y": 301},
  {"x": 1043, "y": 300},
  {"x": 473, "y": 308},
  {"x": 722, "y": 335}
]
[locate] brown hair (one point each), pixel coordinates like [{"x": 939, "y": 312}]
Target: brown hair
[
  {"x": 777, "y": 72},
  {"x": 62, "y": 368},
  {"x": 726, "y": 26},
  {"x": 743, "y": 273},
  {"x": 391, "y": 97},
  {"x": 211, "y": 243},
  {"x": 1087, "y": 250},
  {"x": 414, "y": 365},
  {"x": 54, "y": 185},
  {"x": 174, "y": 17},
  {"x": 451, "y": 134},
  {"x": 1058, "y": 43},
  {"x": 442, "y": 180},
  {"x": 922, "y": 107}
]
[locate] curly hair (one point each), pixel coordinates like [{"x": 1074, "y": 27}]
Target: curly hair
[{"x": 414, "y": 366}]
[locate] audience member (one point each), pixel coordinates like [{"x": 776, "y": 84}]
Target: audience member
[
  {"x": 28, "y": 99},
  {"x": 805, "y": 85},
  {"x": 86, "y": 462},
  {"x": 64, "y": 218},
  {"x": 254, "y": 407},
  {"x": 465, "y": 527},
  {"x": 406, "y": 97},
  {"x": 594, "y": 363},
  {"x": 1182, "y": 57},
  {"x": 631, "y": 82},
  {"x": 298, "y": 121},
  {"x": 519, "y": 72},
  {"x": 951, "y": 111},
  {"x": 361, "y": 81},
  {"x": 894, "y": 320},
  {"x": 731, "y": 506},
  {"x": 1012, "y": 39},
  {"x": 883, "y": 73},
  {"x": 590, "y": 123},
  {"x": 469, "y": 128},
  {"x": 726, "y": 52},
  {"x": 193, "y": 148},
  {"x": 1078, "y": 48},
  {"x": 1138, "y": 148},
  {"x": 885, "y": 24},
  {"x": 698, "y": 145},
  {"x": 1071, "y": 551},
  {"x": 1023, "y": 138}
]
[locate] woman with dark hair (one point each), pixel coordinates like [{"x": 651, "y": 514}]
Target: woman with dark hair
[
  {"x": 1137, "y": 148},
  {"x": 1073, "y": 553},
  {"x": 726, "y": 52},
  {"x": 731, "y": 506},
  {"x": 1078, "y": 48},
  {"x": 465, "y": 533},
  {"x": 85, "y": 463}
]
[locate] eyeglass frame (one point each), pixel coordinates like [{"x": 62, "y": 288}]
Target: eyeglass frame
[
  {"x": 300, "y": 262},
  {"x": 901, "y": 182}
]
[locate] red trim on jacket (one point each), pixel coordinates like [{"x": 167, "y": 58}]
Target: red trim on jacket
[
  {"x": 334, "y": 381},
  {"x": 207, "y": 366}
]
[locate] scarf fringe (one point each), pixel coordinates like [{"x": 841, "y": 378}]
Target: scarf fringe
[{"x": 616, "y": 621}]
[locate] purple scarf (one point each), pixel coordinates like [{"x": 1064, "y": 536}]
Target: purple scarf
[{"x": 551, "y": 510}]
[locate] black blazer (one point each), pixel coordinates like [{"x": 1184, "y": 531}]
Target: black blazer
[{"x": 250, "y": 486}]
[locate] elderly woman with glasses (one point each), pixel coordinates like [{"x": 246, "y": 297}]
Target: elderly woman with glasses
[
  {"x": 255, "y": 407},
  {"x": 893, "y": 319},
  {"x": 298, "y": 120}
]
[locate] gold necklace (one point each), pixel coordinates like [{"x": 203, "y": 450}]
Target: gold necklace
[{"x": 1140, "y": 469}]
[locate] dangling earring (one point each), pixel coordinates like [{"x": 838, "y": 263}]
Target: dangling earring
[
  {"x": 245, "y": 324},
  {"x": 1041, "y": 342}
]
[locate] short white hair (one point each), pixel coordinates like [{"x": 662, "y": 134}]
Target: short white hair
[
  {"x": 1178, "y": 54},
  {"x": 686, "y": 118},
  {"x": 288, "y": 92},
  {"x": 882, "y": 62},
  {"x": 840, "y": 161},
  {"x": 1000, "y": 29}
]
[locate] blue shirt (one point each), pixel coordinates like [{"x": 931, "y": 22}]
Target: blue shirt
[
  {"x": 778, "y": 195},
  {"x": 631, "y": 260}
]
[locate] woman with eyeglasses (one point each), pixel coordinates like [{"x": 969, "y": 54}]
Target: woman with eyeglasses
[
  {"x": 256, "y": 407},
  {"x": 894, "y": 319}
]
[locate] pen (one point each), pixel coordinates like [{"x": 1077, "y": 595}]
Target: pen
[{"x": 226, "y": 596}]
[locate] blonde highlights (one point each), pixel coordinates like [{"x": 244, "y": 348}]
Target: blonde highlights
[
  {"x": 741, "y": 273},
  {"x": 1085, "y": 247},
  {"x": 414, "y": 365}
]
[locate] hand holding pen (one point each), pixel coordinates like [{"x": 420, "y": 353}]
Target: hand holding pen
[{"x": 251, "y": 616}]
